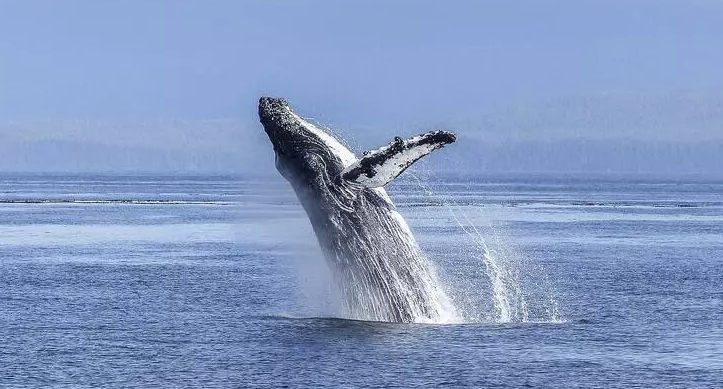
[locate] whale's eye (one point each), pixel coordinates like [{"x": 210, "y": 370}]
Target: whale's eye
[{"x": 314, "y": 162}]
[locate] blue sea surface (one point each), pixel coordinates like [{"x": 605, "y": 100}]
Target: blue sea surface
[{"x": 110, "y": 281}]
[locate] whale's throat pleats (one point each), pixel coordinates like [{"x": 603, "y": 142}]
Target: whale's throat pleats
[{"x": 381, "y": 271}]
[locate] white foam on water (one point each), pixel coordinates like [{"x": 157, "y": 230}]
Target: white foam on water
[{"x": 65, "y": 235}]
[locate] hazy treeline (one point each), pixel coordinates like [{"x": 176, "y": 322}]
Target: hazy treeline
[{"x": 468, "y": 154}]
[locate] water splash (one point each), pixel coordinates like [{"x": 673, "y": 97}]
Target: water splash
[{"x": 505, "y": 273}]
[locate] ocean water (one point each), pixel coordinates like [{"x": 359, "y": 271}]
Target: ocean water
[{"x": 152, "y": 281}]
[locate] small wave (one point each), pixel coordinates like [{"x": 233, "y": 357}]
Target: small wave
[
  {"x": 343, "y": 320},
  {"x": 639, "y": 204},
  {"x": 321, "y": 318},
  {"x": 336, "y": 319},
  {"x": 611, "y": 204},
  {"x": 112, "y": 201}
]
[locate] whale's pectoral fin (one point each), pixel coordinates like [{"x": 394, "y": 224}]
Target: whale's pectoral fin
[{"x": 378, "y": 167}]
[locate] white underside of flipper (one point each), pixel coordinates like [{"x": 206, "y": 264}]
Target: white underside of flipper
[{"x": 380, "y": 166}]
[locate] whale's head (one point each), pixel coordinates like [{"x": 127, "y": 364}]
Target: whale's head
[{"x": 306, "y": 155}]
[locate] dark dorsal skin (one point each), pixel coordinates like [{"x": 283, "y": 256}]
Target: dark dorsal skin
[{"x": 377, "y": 263}]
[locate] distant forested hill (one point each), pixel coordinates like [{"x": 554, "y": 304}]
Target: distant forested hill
[{"x": 468, "y": 154}]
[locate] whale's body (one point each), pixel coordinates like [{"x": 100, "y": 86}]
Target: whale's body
[{"x": 378, "y": 265}]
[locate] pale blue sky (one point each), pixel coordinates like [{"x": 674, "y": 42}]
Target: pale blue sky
[{"x": 184, "y": 76}]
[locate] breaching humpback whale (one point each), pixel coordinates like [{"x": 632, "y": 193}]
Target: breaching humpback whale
[{"x": 376, "y": 260}]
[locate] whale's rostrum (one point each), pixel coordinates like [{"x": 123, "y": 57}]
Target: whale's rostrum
[{"x": 378, "y": 265}]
